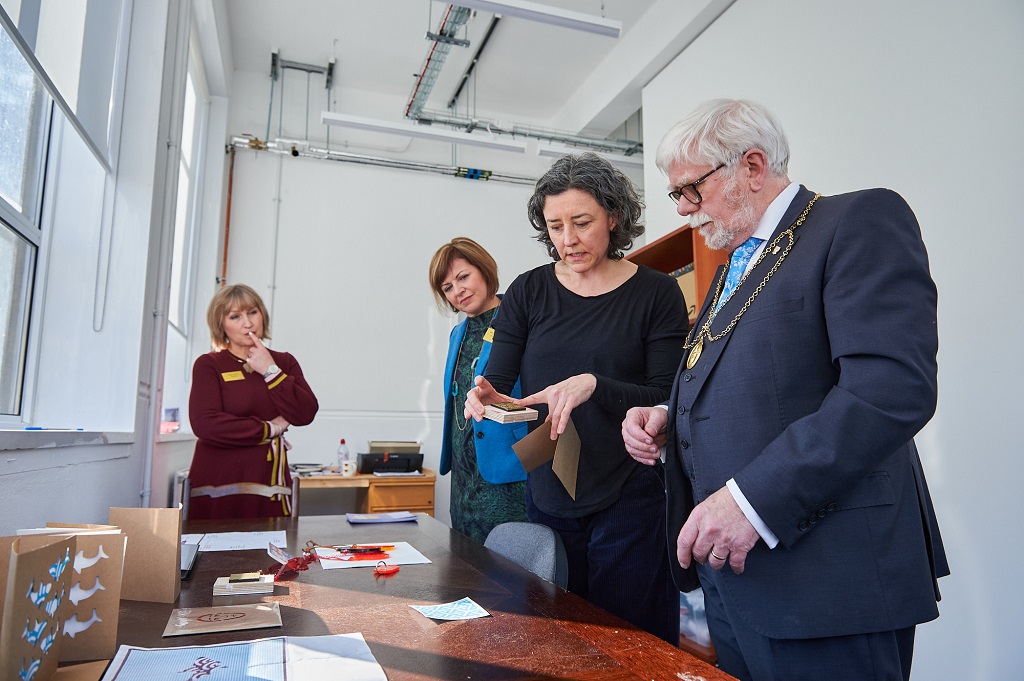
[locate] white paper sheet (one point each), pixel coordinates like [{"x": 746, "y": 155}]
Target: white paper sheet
[
  {"x": 404, "y": 554},
  {"x": 341, "y": 656},
  {"x": 242, "y": 541}
]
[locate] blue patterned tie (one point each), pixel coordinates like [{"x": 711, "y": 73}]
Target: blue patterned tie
[{"x": 737, "y": 266}]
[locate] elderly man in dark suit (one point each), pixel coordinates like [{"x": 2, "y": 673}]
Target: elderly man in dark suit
[{"x": 795, "y": 490}]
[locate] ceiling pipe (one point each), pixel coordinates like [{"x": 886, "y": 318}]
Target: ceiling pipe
[
  {"x": 291, "y": 148},
  {"x": 472, "y": 62}
]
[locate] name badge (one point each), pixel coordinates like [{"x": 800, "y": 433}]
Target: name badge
[
  {"x": 229, "y": 376},
  {"x": 489, "y": 335}
]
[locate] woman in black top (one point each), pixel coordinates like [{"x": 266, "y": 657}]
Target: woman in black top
[{"x": 591, "y": 336}]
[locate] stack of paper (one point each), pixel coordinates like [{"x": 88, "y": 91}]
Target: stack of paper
[
  {"x": 508, "y": 412},
  {"x": 264, "y": 584},
  {"x": 393, "y": 517}
]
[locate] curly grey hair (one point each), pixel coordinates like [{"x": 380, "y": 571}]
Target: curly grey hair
[{"x": 612, "y": 190}]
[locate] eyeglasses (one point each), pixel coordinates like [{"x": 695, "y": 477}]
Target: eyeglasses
[{"x": 690, "y": 190}]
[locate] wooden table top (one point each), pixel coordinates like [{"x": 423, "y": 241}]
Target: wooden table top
[
  {"x": 334, "y": 480},
  {"x": 536, "y": 630}
]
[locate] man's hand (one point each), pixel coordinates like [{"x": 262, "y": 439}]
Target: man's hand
[
  {"x": 715, "y": 533},
  {"x": 643, "y": 432}
]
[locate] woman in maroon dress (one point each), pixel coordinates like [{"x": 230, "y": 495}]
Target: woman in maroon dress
[{"x": 244, "y": 398}]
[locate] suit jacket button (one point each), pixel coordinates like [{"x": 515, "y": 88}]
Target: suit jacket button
[
  {"x": 684, "y": 444},
  {"x": 813, "y": 519},
  {"x": 682, "y": 409},
  {"x": 822, "y": 513},
  {"x": 803, "y": 526},
  {"x": 832, "y": 506},
  {"x": 480, "y": 436},
  {"x": 687, "y": 377}
]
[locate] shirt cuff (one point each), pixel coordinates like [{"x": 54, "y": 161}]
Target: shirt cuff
[
  {"x": 769, "y": 537},
  {"x": 661, "y": 449}
]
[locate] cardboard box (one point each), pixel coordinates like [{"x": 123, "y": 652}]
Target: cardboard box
[
  {"x": 152, "y": 559},
  {"x": 90, "y": 626},
  {"x": 35, "y": 572}
]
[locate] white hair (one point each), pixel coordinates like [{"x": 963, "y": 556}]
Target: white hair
[{"x": 721, "y": 130}]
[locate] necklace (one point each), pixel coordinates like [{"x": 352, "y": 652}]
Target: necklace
[
  {"x": 455, "y": 376},
  {"x": 695, "y": 344},
  {"x": 455, "y": 388},
  {"x": 245, "y": 364}
]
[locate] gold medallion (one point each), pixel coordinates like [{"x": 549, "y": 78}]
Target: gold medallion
[{"x": 695, "y": 354}]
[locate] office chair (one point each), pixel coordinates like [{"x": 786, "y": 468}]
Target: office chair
[
  {"x": 535, "y": 547},
  {"x": 186, "y": 494}
]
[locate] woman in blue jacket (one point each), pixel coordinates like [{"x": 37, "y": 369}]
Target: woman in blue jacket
[{"x": 488, "y": 481}]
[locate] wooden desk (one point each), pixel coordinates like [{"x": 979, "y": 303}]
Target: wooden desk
[
  {"x": 536, "y": 631},
  {"x": 381, "y": 494}
]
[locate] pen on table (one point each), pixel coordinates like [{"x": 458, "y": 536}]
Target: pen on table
[
  {"x": 43, "y": 428},
  {"x": 365, "y": 548}
]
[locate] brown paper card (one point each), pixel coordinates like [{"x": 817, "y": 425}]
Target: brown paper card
[
  {"x": 38, "y": 579},
  {"x": 537, "y": 448},
  {"x": 566, "y": 464},
  {"x": 223, "y": 618},
  {"x": 90, "y": 629},
  {"x": 152, "y": 559}
]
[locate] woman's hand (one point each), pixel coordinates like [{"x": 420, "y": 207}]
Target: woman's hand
[
  {"x": 259, "y": 358},
  {"x": 481, "y": 395},
  {"x": 278, "y": 426},
  {"x": 561, "y": 399}
]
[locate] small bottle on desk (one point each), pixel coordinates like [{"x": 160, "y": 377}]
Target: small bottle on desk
[{"x": 346, "y": 466}]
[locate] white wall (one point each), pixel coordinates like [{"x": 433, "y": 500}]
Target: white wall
[
  {"x": 917, "y": 96},
  {"x": 347, "y": 286}
]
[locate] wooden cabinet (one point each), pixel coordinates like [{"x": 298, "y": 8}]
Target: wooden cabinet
[
  {"x": 401, "y": 494},
  {"x": 678, "y": 249},
  {"x": 381, "y": 494}
]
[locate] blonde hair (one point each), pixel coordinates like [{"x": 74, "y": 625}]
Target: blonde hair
[
  {"x": 471, "y": 252},
  {"x": 226, "y": 299}
]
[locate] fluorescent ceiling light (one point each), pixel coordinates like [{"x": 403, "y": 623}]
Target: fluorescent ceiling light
[
  {"x": 426, "y": 132},
  {"x": 544, "y": 14},
  {"x": 560, "y": 150}
]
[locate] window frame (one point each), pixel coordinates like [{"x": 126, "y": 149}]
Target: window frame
[
  {"x": 26, "y": 224},
  {"x": 195, "y": 71}
]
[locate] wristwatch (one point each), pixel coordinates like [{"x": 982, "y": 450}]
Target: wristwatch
[{"x": 271, "y": 370}]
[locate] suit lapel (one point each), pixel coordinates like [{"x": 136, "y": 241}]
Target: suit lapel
[{"x": 712, "y": 351}]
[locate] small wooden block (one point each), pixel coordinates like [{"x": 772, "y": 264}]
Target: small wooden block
[
  {"x": 244, "y": 577},
  {"x": 494, "y": 412}
]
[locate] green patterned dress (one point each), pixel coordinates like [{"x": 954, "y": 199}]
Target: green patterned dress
[{"x": 476, "y": 505}]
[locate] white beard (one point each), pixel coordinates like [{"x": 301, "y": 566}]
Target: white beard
[{"x": 719, "y": 235}]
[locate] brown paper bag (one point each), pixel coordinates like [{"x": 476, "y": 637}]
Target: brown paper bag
[
  {"x": 36, "y": 574},
  {"x": 152, "y": 559},
  {"x": 90, "y": 630}
]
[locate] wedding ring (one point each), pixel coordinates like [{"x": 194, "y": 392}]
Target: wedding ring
[{"x": 715, "y": 555}]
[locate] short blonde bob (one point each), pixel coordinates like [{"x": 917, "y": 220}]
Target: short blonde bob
[{"x": 235, "y": 296}]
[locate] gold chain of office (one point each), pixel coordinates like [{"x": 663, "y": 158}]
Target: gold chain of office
[{"x": 696, "y": 344}]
